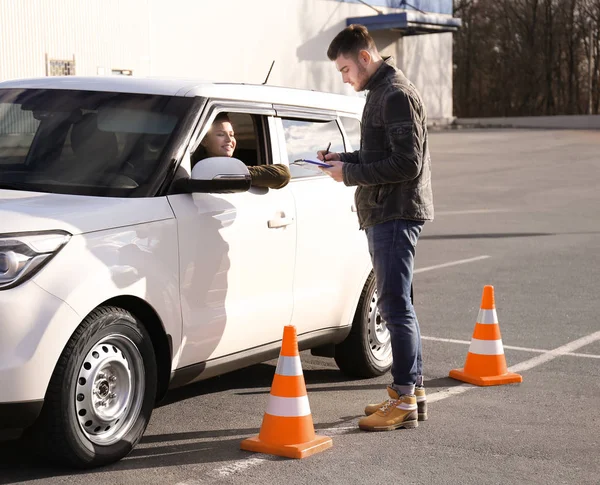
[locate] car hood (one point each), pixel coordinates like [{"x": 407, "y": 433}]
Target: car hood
[{"x": 22, "y": 211}]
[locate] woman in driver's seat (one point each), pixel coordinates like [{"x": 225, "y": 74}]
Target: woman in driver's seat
[{"x": 220, "y": 142}]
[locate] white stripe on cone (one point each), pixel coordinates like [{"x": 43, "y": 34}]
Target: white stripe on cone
[
  {"x": 289, "y": 366},
  {"x": 486, "y": 347},
  {"x": 288, "y": 406},
  {"x": 487, "y": 316}
]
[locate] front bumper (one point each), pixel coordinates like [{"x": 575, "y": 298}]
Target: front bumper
[{"x": 34, "y": 329}]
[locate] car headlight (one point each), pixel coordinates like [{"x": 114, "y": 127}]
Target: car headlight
[{"x": 22, "y": 255}]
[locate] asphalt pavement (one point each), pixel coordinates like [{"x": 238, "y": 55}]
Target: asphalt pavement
[{"x": 516, "y": 209}]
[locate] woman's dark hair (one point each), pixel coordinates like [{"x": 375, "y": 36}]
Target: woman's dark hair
[
  {"x": 200, "y": 152},
  {"x": 222, "y": 118},
  {"x": 350, "y": 41}
]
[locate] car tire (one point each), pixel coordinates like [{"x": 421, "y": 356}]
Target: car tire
[
  {"x": 367, "y": 351},
  {"x": 102, "y": 392}
]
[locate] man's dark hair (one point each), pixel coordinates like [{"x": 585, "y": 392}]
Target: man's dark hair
[{"x": 350, "y": 41}]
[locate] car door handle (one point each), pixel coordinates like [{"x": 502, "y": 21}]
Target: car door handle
[{"x": 280, "y": 221}]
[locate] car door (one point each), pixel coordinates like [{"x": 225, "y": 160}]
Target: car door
[
  {"x": 237, "y": 254},
  {"x": 331, "y": 252}
]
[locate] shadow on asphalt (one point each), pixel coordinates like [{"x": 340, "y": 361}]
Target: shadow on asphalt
[
  {"x": 257, "y": 376},
  {"x": 17, "y": 464},
  {"x": 504, "y": 235},
  {"x": 434, "y": 237}
]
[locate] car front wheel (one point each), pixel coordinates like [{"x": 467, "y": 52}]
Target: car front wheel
[
  {"x": 367, "y": 351},
  {"x": 102, "y": 391}
]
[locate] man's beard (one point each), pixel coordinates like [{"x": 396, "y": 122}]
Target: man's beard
[{"x": 363, "y": 78}]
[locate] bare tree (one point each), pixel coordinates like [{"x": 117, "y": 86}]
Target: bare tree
[{"x": 526, "y": 57}]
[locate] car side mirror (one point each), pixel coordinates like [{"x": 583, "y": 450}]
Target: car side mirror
[{"x": 217, "y": 175}]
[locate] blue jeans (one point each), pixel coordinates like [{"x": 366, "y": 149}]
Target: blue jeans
[{"x": 392, "y": 248}]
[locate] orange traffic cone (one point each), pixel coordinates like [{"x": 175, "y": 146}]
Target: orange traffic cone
[
  {"x": 287, "y": 428},
  {"x": 486, "y": 364}
]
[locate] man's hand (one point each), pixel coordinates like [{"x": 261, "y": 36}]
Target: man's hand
[
  {"x": 336, "y": 171},
  {"x": 325, "y": 157}
]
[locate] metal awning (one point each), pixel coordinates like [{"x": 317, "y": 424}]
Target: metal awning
[{"x": 409, "y": 22}]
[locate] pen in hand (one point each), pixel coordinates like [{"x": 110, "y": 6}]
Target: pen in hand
[
  {"x": 326, "y": 152},
  {"x": 322, "y": 154}
]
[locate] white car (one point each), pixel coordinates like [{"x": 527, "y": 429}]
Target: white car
[{"x": 125, "y": 271}]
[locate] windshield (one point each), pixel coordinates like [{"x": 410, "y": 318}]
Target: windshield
[{"x": 85, "y": 142}]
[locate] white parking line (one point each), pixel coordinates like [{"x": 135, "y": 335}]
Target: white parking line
[
  {"x": 451, "y": 263},
  {"x": 257, "y": 459},
  {"x": 590, "y": 356},
  {"x": 557, "y": 352},
  {"x": 526, "y": 365},
  {"x": 510, "y": 347},
  {"x": 546, "y": 356},
  {"x": 239, "y": 466}
]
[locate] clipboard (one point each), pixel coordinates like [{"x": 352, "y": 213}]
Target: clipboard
[{"x": 303, "y": 161}]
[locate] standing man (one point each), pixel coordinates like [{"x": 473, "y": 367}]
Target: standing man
[{"x": 392, "y": 170}]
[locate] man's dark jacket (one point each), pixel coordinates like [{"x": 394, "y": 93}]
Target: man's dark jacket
[{"x": 392, "y": 168}]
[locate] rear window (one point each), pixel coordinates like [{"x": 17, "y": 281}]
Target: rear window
[{"x": 85, "y": 142}]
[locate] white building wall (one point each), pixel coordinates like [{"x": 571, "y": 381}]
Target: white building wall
[
  {"x": 234, "y": 41},
  {"x": 238, "y": 43},
  {"x": 101, "y": 34},
  {"x": 427, "y": 62}
]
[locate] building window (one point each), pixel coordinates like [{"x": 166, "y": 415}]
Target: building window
[
  {"x": 122, "y": 72},
  {"x": 60, "y": 67}
]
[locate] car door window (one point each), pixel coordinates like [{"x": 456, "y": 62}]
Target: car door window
[
  {"x": 352, "y": 129},
  {"x": 303, "y": 138},
  {"x": 248, "y": 132}
]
